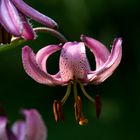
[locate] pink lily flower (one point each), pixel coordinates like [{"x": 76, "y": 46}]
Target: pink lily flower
[
  {"x": 74, "y": 69},
  {"x": 13, "y": 18},
  {"x": 32, "y": 128}
]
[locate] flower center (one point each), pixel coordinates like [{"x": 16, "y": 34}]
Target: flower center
[{"x": 57, "y": 105}]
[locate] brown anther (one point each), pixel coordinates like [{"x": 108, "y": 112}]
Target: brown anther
[
  {"x": 98, "y": 105},
  {"x": 78, "y": 112},
  {"x": 78, "y": 108},
  {"x": 60, "y": 111},
  {"x": 57, "y": 111},
  {"x": 5, "y": 37}
]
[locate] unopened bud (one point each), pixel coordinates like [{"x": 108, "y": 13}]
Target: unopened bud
[{"x": 98, "y": 105}]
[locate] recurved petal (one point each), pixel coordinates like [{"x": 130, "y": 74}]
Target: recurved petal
[
  {"x": 35, "y": 126},
  {"x": 100, "y": 51},
  {"x": 9, "y": 18},
  {"x": 28, "y": 32},
  {"x": 73, "y": 62},
  {"x": 101, "y": 74},
  {"x": 3, "y": 131},
  {"x": 43, "y": 54},
  {"x": 34, "y": 14},
  {"x": 33, "y": 70}
]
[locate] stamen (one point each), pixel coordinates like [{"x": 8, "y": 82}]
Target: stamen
[
  {"x": 78, "y": 108},
  {"x": 67, "y": 94},
  {"x": 60, "y": 111},
  {"x": 78, "y": 112},
  {"x": 85, "y": 93},
  {"x": 57, "y": 111}
]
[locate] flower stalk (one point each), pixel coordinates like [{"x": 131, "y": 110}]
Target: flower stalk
[{"x": 17, "y": 41}]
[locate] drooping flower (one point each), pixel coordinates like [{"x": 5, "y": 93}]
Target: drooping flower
[
  {"x": 74, "y": 69},
  {"x": 32, "y": 128},
  {"x": 13, "y": 18}
]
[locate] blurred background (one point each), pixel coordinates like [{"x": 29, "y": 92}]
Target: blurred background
[{"x": 100, "y": 19}]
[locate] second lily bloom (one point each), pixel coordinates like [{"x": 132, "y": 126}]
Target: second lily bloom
[
  {"x": 32, "y": 128},
  {"x": 13, "y": 18}
]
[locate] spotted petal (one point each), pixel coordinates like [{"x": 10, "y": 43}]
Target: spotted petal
[
  {"x": 100, "y": 52},
  {"x": 34, "y": 14},
  {"x": 102, "y": 73},
  {"x": 34, "y": 71},
  {"x": 33, "y": 128},
  {"x": 73, "y": 62},
  {"x": 9, "y": 18}
]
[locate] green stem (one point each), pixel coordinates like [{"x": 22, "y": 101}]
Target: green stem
[
  {"x": 67, "y": 94},
  {"x": 19, "y": 41},
  {"x": 53, "y": 32},
  {"x": 12, "y": 45},
  {"x": 85, "y": 93}
]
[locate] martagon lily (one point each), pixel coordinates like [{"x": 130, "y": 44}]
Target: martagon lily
[
  {"x": 74, "y": 69},
  {"x": 32, "y": 128},
  {"x": 13, "y": 18}
]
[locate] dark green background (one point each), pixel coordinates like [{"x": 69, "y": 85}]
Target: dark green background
[{"x": 103, "y": 20}]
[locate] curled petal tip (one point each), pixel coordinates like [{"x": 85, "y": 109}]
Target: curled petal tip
[
  {"x": 82, "y": 37},
  {"x": 26, "y": 49},
  {"x": 34, "y": 14},
  {"x": 117, "y": 40},
  {"x": 55, "y": 25},
  {"x": 47, "y": 21}
]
